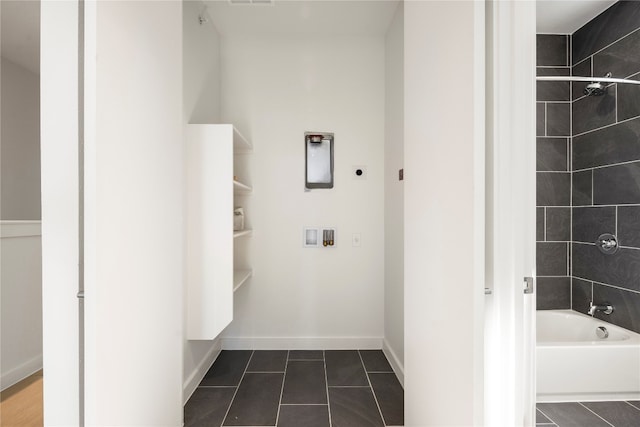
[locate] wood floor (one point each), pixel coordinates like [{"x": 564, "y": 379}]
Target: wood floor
[{"x": 21, "y": 404}]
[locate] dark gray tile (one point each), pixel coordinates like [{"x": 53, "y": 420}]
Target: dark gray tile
[
  {"x": 344, "y": 368},
  {"x": 375, "y": 361},
  {"x": 553, "y": 71},
  {"x": 571, "y": 414},
  {"x": 592, "y": 112},
  {"x": 540, "y": 224},
  {"x": 228, "y": 368},
  {"x": 590, "y": 222},
  {"x": 390, "y": 397},
  {"x": 305, "y": 383},
  {"x": 306, "y": 355},
  {"x": 615, "y": 22},
  {"x": 617, "y": 185},
  {"x": 613, "y": 144},
  {"x": 620, "y": 414},
  {"x": 553, "y": 189},
  {"x": 635, "y": 403},
  {"x": 551, "y": 259},
  {"x": 622, "y": 58},
  {"x": 541, "y": 128},
  {"x": 582, "y": 188},
  {"x": 559, "y": 119},
  {"x": 541, "y": 419},
  {"x": 256, "y": 402},
  {"x": 581, "y": 295},
  {"x": 558, "y": 224},
  {"x": 303, "y": 415},
  {"x": 553, "y": 91},
  {"x": 551, "y": 50},
  {"x": 553, "y": 293},
  {"x": 207, "y": 406},
  {"x": 629, "y": 226},
  {"x": 626, "y": 306},
  {"x": 551, "y": 154},
  {"x": 628, "y": 100},
  {"x": 620, "y": 269},
  {"x": 353, "y": 407},
  {"x": 268, "y": 361},
  {"x": 582, "y": 69}
]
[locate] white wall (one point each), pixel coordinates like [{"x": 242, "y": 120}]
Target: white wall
[
  {"x": 394, "y": 193},
  {"x": 444, "y": 222},
  {"x": 21, "y": 299},
  {"x": 59, "y": 158},
  {"x": 274, "y": 89},
  {"x": 134, "y": 221},
  {"x": 201, "y": 66},
  {"x": 201, "y": 76},
  {"x": 20, "y": 148}
]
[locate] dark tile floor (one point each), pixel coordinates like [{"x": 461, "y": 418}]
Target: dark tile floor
[
  {"x": 589, "y": 414},
  {"x": 298, "y": 388}
]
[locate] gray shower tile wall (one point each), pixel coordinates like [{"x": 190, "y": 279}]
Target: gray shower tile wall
[
  {"x": 553, "y": 170},
  {"x": 605, "y": 165}
]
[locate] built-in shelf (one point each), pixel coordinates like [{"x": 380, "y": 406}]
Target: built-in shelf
[
  {"x": 239, "y": 187},
  {"x": 218, "y": 267},
  {"x": 241, "y": 233},
  {"x": 240, "y": 277},
  {"x": 240, "y": 143}
]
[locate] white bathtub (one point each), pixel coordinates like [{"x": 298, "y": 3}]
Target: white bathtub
[{"x": 573, "y": 364}]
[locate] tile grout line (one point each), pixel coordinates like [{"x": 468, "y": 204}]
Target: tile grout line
[
  {"x": 632, "y": 405},
  {"x": 284, "y": 376},
  {"x": 596, "y": 414},
  {"x": 548, "y": 417},
  {"x": 226, "y": 414},
  {"x": 303, "y": 404},
  {"x": 605, "y": 126},
  {"x": 375, "y": 398},
  {"x": 326, "y": 382}
]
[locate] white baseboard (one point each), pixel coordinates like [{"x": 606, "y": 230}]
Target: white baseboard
[
  {"x": 191, "y": 383},
  {"x": 301, "y": 343},
  {"x": 396, "y": 364},
  {"x": 20, "y": 372},
  {"x": 587, "y": 397}
]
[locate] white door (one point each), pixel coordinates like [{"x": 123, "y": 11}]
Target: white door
[{"x": 510, "y": 311}]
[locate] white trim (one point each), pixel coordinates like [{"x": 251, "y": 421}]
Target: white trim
[
  {"x": 21, "y": 372},
  {"x": 301, "y": 343},
  {"x": 191, "y": 382},
  {"x": 20, "y": 228},
  {"x": 396, "y": 364},
  {"x": 587, "y": 397}
]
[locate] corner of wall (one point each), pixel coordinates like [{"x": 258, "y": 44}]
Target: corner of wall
[{"x": 197, "y": 374}]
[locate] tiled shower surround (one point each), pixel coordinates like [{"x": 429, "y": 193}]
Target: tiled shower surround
[{"x": 588, "y": 168}]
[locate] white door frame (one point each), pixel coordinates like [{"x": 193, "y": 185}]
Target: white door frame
[
  {"x": 60, "y": 211},
  {"x": 510, "y": 314}
]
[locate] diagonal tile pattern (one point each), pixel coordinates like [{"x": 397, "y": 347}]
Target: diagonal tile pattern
[
  {"x": 588, "y": 414},
  {"x": 310, "y": 388}
]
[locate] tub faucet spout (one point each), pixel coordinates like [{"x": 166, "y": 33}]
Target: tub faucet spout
[{"x": 606, "y": 308}]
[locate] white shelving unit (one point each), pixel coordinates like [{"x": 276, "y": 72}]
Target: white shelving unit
[
  {"x": 216, "y": 185},
  {"x": 240, "y": 277}
]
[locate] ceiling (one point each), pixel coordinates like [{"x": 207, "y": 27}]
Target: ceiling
[
  {"x": 20, "y": 38},
  {"x": 566, "y": 16},
  {"x": 21, "y": 32},
  {"x": 291, "y": 17}
]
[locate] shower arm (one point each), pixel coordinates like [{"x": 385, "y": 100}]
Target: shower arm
[{"x": 585, "y": 79}]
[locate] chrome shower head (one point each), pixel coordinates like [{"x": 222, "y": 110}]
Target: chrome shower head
[{"x": 595, "y": 89}]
